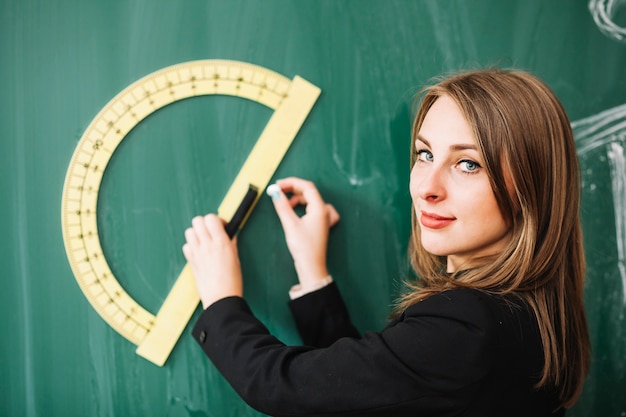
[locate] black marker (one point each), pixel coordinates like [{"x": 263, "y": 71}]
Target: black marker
[{"x": 242, "y": 211}]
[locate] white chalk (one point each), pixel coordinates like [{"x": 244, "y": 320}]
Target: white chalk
[{"x": 273, "y": 191}]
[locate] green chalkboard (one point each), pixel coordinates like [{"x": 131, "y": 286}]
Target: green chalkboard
[{"x": 61, "y": 62}]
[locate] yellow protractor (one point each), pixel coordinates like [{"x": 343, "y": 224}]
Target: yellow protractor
[{"x": 291, "y": 100}]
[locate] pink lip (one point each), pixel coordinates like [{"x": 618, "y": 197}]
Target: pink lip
[{"x": 434, "y": 221}]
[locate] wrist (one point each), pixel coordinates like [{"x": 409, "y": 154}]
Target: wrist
[
  {"x": 209, "y": 295},
  {"x": 310, "y": 275},
  {"x": 299, "y": 290}
]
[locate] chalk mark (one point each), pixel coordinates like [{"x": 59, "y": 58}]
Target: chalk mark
[
  {"x": 603, "y": 12},
  {"x": 608, "y": 129}
]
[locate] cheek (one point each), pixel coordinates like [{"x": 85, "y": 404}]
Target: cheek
[
  {"x": 478, "y": 204},
  {"x": 491, "y": 217},
  {"x": 413, "y": 187},
  {"x": 413, "y": 181}
]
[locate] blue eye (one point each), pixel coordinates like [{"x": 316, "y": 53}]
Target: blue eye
[
  {"x": 424, "y": 155},
  {"x": 469, "y": 166}
]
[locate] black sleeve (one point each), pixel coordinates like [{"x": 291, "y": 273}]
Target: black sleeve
[
  {"x": 432, "y": 361},
  {"x": 322, "y": 317}
]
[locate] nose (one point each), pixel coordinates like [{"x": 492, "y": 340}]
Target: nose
[{"x": 427, "y": 183}]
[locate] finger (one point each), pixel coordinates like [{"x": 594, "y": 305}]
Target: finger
[
  {"x": 297, "y": 200},
  {"x": 282, "y": 205},
  {"x": 296, "y": 185},
  {"x": 200, "y": 230},
  {"x": 187, "y": 252},
  {"x": 304, "y": 192},
  {"x": 333, "y": 215},
  {"x": 190, "y": 237},
  {"x": 215, "y": 226}
]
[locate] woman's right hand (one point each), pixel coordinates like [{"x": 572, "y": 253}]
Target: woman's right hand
[{"x": 306, "y": 236}]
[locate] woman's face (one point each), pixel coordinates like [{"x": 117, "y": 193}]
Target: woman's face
[{"x": 456, "y": 208}]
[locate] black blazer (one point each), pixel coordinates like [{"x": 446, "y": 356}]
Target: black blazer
[{"x": 458, "y": 353}]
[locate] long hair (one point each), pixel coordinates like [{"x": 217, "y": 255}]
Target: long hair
[{"x": 525, "y": 138}]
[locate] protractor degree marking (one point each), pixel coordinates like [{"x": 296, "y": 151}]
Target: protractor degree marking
[
  {"x": 95, "y": 262},
  {"x": 112, "y": 124},
  {"x": 112, "y": 295}
]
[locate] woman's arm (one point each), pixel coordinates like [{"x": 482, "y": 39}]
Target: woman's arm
[
  {"x": 432, "y": 361},
  {"x": 322, "y": 317}
]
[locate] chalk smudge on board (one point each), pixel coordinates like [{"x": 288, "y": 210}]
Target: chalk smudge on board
[
  {"x": 618, "y": 180},
  {"x": 608, "y": 130},
  {"x": 350, "y": 169},
  {"x": 603, "y": 12}
]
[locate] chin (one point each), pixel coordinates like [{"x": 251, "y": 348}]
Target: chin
[
  {"x": 437, "y": 247},
  {"x": 435, "y": 250}
]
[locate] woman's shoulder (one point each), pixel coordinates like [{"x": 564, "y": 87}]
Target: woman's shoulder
[
  {"x": 505, "y": 323},
  {"x": 503, "y": 316},
  {"x": 461, "y": 299}
]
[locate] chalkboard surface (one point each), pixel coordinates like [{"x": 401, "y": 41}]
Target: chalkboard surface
[{"x": 62, "y": 61}]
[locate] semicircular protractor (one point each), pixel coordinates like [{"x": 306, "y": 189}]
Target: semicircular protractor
[{"x": 291, "y": 100}]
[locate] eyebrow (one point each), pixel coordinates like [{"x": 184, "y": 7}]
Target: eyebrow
[{"x": 455, "y": 147}]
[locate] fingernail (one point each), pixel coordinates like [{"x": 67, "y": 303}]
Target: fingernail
[{"x": 273, "y": 191}]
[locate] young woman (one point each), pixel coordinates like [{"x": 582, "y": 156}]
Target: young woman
[{"x": 495, "y": 324}]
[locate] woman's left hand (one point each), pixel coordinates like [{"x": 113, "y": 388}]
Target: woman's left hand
[{"x": 214, "y": 259}]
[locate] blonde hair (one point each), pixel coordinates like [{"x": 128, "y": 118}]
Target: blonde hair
[{"x": 526, "y": 141}]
